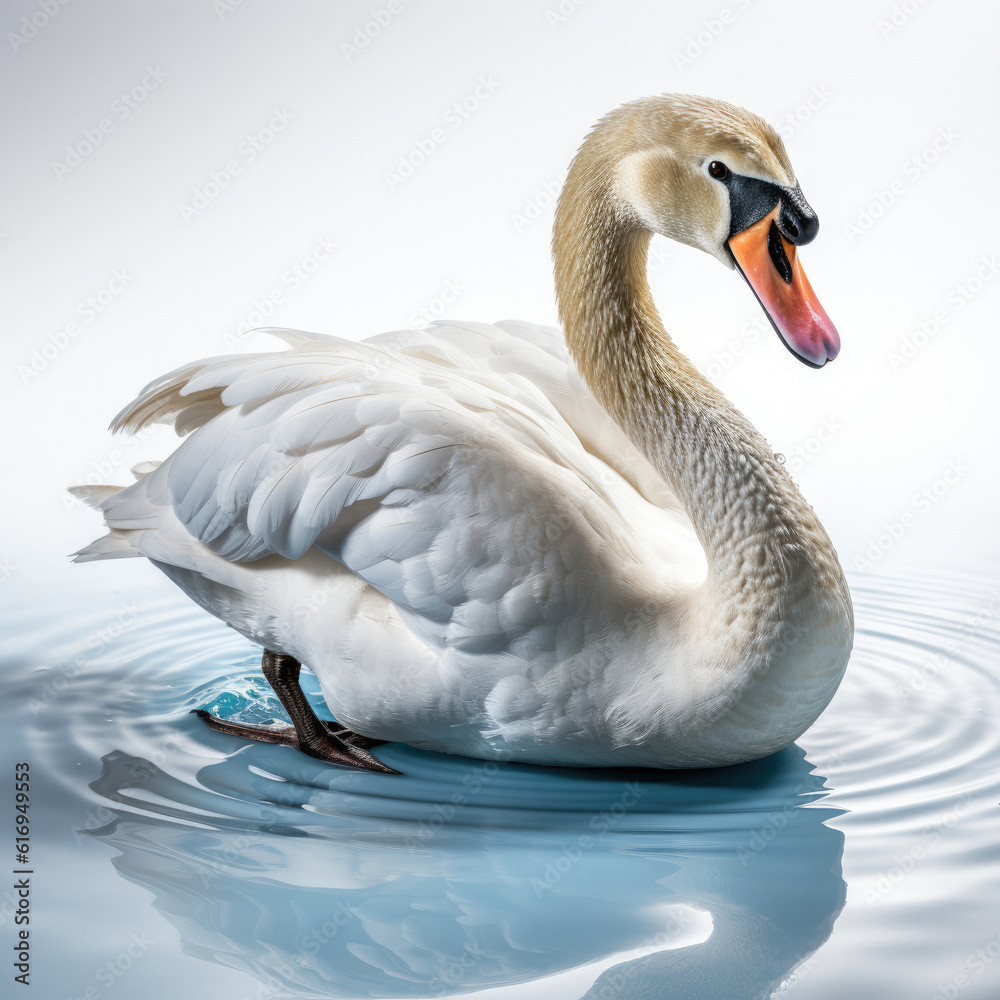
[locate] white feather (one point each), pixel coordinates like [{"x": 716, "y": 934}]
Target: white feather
[
  {"x": 458, "y": 485},
  {"x": 471, "y": 554}
]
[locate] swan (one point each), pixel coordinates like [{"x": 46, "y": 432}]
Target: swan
[{"x": 507, "y": 543}]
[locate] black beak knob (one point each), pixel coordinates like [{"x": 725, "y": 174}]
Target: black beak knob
[{"x": 797, "y": 221}]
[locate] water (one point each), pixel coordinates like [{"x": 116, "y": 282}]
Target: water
[{"x": 170, "y": 860}]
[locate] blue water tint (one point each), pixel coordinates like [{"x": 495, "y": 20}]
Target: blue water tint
[{"x": 264, "y": 873}]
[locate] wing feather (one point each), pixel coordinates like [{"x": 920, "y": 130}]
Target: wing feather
[{"x": 433, "y": 464}]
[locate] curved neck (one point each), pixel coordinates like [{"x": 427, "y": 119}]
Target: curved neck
[{"x": 759, "y": 535}]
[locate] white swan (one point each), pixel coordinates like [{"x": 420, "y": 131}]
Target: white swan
[{"x": 487, "y": 540}]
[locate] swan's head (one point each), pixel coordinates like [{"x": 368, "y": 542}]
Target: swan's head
[{"x": 716, "y": 177}]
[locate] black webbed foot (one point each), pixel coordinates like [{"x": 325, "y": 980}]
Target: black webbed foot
[{"x": 308, "y": 733}]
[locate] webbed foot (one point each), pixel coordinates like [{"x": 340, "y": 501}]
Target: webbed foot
[{"x": 308, "y": 733}]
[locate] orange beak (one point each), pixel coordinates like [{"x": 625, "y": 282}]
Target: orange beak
[{"x": 771, "y": 267}]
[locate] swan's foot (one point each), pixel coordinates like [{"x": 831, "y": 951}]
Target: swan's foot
[{"x": 308, "y": 733}]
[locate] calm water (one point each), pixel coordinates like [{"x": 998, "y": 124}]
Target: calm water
[{"x": 171, "y": 861}]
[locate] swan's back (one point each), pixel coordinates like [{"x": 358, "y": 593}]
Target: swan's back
[{"x": 283, "y": 442}]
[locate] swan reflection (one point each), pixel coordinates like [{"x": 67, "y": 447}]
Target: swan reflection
[{"x": 465, "y": 875}]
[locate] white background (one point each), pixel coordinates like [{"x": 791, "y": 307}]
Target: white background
[{"x": 885, "y": 79}]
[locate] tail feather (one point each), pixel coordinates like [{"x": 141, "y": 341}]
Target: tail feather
[
  {"x": 113, "y": 545},
  {"x": 169, "y": 398},
  {"x": 131, "y": 515},
  {"x": 94, "y": 496},
  {"x": 162, "y": 400}
]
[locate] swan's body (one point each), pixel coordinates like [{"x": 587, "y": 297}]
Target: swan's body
[{"x": 476, "y": 554}]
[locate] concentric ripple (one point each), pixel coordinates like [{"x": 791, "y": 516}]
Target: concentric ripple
[
  {"x": 914, "y": 724},
  {"x": 463, "y": 875}
]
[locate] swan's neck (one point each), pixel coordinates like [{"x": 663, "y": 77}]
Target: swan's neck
[{"x": 766, "y": 550}]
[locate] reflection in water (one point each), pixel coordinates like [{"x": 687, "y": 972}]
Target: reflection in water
[{"x": 464, "y": 875}]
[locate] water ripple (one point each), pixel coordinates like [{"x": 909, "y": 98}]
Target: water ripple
[{"x": 464, "y": 875}]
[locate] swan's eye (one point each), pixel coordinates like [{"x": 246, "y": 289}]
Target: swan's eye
[{"x": 718, "y": 170}]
